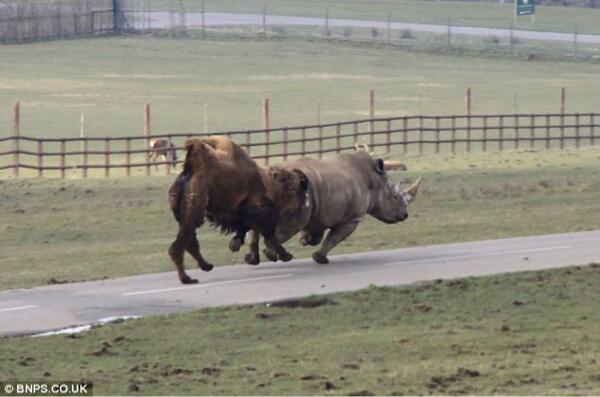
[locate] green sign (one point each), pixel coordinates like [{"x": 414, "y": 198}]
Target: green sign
[{"x": 525, "y": 7}]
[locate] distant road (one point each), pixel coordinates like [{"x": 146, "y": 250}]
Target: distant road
[
  {"x": 52, "y": 307},
  {"x": 162, "y": 20}
]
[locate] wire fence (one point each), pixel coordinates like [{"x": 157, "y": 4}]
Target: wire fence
[{"x": 132, "y": 155}]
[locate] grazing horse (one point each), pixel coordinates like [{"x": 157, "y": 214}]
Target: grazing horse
[{"x": 165, "y": 149}]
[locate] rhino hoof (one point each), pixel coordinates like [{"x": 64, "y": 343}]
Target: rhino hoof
[
  {"x": 286, "y": 256},
  {"x": 320, "y": 258},
  {"x": 188, "y": 280},
  {"x": 207, "y": 267},
  {"x": 235, "y": 244},
  {"x": 252, "y": 259},
  {"x": 272, "y": 256}
]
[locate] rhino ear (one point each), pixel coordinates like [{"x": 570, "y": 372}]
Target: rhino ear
[
  {"x": 379, "y": 166},
  {"x": 303, "y": 179}
]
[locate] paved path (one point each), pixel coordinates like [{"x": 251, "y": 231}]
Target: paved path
[
  {"x": 53, "y": 307},
  {"x": 163, "y": 20}
]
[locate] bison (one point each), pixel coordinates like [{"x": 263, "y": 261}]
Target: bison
[
  {"x": 341, "y": 191},
  {"x": 221, "y": 183}
]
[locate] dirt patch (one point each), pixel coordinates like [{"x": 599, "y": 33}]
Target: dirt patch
[
  {"x": 103, "y": 350},
  {"x": 305, "y": 303},
  {"x": 440, "y": 382},
  {"x": 211, "y": 371},
  {"x": 351, "y": 366}
]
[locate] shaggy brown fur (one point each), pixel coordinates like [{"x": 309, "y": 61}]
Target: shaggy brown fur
[{"x": 221, "y": 183}]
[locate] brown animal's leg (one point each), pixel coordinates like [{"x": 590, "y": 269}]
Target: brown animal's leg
[
  {"x": 176, "y": 252},
  {"x": 274, "y": 250},
  {"x": 253, "y": 257},
  {"x": 193, "y": 248},
  {"x": 311, "y": 238},
  {"x": 238, "y": 240},
  {"x": 334, "y": 237},
  {"x": 191, "y": 214}
]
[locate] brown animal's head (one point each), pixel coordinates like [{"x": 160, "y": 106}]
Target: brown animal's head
[
  {"x": 390, "y": 202},
  {"x": 292, "y": 198}
]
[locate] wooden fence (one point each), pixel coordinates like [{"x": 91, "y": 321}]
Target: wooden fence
[
  {"x": 23, "y": 21},
  {"x": 77, "y": 157}
]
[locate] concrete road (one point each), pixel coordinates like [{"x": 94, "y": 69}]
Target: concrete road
[
  {"x": 39, "y": 309},
  {"x": 164, "y": 20}
]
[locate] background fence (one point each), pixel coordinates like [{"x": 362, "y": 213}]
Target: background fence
[
  {"x": 77, "y": 157},
  {"x": 22, "y": 21}
]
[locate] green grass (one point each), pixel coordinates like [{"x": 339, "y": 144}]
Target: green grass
[
  {"x": 485, "y": 14},
  {"x": 110, "y": 80},
  {"x": 71, "y": 230},
  {"x": 533, "y": 333}
]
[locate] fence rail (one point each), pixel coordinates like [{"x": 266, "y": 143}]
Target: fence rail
[{"x": 411, "y": 134}]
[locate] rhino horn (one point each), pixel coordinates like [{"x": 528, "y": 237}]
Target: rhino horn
[{"x": 411, "y": 192}]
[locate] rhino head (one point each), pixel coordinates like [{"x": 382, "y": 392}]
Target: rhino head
[{"x": 390, "y": 201}]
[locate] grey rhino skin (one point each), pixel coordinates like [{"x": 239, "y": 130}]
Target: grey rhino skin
[{"x": 342, "y": 191}]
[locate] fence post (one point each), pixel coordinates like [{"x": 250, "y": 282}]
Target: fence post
[
  {"x": 468, "y": 100},
  {"x": 128, "y": 156},
  {"x": 266, "y": 126},
  {"x": 118, "y": 15},
  {"x": 147, "y": 133},
  {"x": 371, "y": 117},
  {"x": 563, "y": 100},
  {"x": 592, "y": 130},
  {"x": 437, "y": 134},
  {"x": 266, "y": 120},
  {"x": 388, "y": 137},
  {"x": 532, "y": 132},
  {"x": 453, "y": 143},
  {"x": 420, "y": 134},
  {"x": 501, "y": 133},
  {"x": 405, "y": 133},
  {"x": 203, "y": 19},
  {"x": 320, "y": 142},
  {"x": 85, "y": 158},
  {"x": 62, "y": 158},
  {"x": 577, "y": 135},
  {"x": 285, "y": 144},
  {"x": 485, "y": 133},
  {"x": 40, "y": 148},
  {"x": 17, "y": 137},
  {"x": 106, "y": 157},
  {"x": 547, "y": 131},
  {"x": 337, "y": 138},
  {"x": 517, "y": 132}
]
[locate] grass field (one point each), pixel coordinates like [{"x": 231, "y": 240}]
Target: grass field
[
  {"x": 111, "y": 79},
  {"x": 559, "y": 19},
  {"x": 534, "y": 333},
  {"x": 70, "y": 230}
]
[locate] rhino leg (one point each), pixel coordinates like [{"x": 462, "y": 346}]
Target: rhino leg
[
  {"x": 336, "y": 235},
  {"x": 253, "y": 257},
  {"x": 311, "y": 238},
  {"x": 274, "y": 251}
]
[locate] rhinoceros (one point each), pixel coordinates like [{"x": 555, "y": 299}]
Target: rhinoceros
[{"x": 341, "y": 192}]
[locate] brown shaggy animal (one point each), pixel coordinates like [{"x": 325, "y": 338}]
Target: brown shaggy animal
[{"x": 221, "y": 183}]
